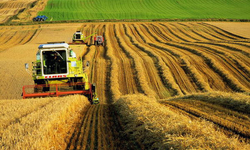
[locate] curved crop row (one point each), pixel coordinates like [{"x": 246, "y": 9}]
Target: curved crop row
[
  {"x": 126, "y": 77},
  {"x": 144, "y": 65},
  {"x": 187, "y": 58}
]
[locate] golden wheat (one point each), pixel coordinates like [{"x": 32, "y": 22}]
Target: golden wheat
[
  {"x": 46, "y": 127},
  {"x": 157, "y": 127}
]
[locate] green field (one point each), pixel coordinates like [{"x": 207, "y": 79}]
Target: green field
[{"x": 146, "y": 9}]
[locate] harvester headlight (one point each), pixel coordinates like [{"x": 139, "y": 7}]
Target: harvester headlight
[
  {"x": 75, "y": 75},
  {"x": 37, "y": 77}
]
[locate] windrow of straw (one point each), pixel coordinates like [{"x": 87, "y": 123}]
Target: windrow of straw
[
  {"x": 156, "y": 127},
  {"x": 114, "y": 67},
  {"x": 48, "y": 127},
  {"x": 159, "y": 47},
  {"x": 192, "y": 69},
  {"x": 164, "y": 70},
  {"x": 235, "y": 101},
  {"x": 138, "y": 62},
  {"x": 227, "y": 51},
  {"x": 217, "y": 67}
]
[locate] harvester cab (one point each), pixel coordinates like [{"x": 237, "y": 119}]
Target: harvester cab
[
  {"x": 99, "y": 40},
  {"x": 79, "y": 38},
  {"x": 57, "y": 71}
]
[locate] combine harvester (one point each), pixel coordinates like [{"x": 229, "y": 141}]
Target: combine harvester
[
  {"x": 79, "y": 38},
  {"x": 58, "y": 72}
]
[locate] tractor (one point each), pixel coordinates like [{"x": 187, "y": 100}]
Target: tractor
[
  {"x": 57, "y": 72},
  {"x": 99, "y": 40}
]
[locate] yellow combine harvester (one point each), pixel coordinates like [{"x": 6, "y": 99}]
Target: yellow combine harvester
[
  {"x": 79, "y": 38},
  {"x": 57, "y": 72}
]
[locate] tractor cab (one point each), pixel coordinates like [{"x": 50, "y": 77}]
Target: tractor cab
[{"x": 78, "y": 35}]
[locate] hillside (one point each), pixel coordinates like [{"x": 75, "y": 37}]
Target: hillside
[
  {"x": 146, "y": 9},
  {"x": 161, "y": 85},
  {"x": 146, "y": 75}
]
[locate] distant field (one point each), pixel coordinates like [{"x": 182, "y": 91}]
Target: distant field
[{"x": 146, "y": 9}]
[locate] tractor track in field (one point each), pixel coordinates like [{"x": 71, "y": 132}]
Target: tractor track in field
[
  {"x": 99, "y": 126},
  {"x": 223, "y": 118}
]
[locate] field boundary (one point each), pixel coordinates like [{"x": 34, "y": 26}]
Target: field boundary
[{"x": 123, "y": 20}]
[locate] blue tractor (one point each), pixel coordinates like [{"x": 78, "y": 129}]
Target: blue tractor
[{"x": 40, "y": 18}]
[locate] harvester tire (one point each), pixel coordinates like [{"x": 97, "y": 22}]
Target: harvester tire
[
  {"x": 45, "y": 89},
  {"x": 90, "y": 99}
]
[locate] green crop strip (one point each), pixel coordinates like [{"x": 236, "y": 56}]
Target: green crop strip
[{"x": 146, "y": 9}]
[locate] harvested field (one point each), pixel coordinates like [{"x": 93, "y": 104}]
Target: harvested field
[
  {"x": 21, "y": 10},
  {"x": 48, "y": 120},
  {"x": 138, "y": 71}
]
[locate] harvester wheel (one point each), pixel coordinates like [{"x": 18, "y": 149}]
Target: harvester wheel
[
  {"x": 46, "y": 89},
  {"x": 90, "y": 99}
]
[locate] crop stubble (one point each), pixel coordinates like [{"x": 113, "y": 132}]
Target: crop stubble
[{"x": 149, "y": 58}]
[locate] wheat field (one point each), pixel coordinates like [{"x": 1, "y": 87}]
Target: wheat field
[{"x": 181, "y": 85}]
